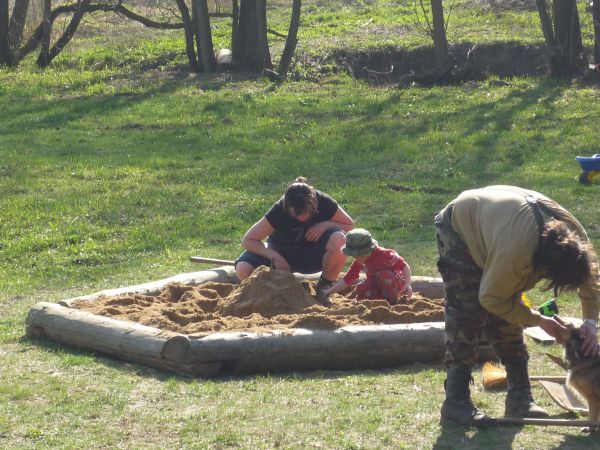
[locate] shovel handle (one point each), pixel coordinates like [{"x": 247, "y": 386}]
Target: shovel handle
[
  {"x": 547, "y": 422},
  {"x": 200, "y": 259},
  {"x": 557, "y": 379}
]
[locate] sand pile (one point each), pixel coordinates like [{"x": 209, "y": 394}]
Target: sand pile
[
  {"x": 268, "y": 293},
  {"x": 269, "y": 299}
]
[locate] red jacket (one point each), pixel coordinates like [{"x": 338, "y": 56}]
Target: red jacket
[{"x": 381, "y": 258}]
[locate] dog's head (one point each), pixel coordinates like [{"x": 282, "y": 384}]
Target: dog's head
[{"x": 572, "y": 342}]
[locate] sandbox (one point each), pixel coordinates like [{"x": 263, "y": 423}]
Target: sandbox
[{"x": 205, "y": 324}]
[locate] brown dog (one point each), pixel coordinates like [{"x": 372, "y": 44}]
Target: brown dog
[{"x": 584, "y": 371}]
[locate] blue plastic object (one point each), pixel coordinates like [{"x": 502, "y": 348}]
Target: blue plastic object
[
  {"x": 590, "y": 168},
  {"x": 589, "y": 162}
]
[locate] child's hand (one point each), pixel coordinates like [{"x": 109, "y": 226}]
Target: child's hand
[{"x": 408, "y": 292}]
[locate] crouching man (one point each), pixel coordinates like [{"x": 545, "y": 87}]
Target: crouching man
[{"x": 494, "y": 244}]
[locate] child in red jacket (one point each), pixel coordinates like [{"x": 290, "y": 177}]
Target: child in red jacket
[{"x": 388, "y": 275}]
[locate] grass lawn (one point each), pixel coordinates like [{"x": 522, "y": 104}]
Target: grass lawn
[{"x": 115, "y": 176}]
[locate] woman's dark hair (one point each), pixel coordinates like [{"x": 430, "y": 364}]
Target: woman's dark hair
[
  {"x": 563, "y": 258},
  {"x": 300, "y": 197}
]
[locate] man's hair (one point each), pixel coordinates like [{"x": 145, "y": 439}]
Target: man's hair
[
  {"x": 300, "y": 197},
  {"x": 563, "y": 258}
]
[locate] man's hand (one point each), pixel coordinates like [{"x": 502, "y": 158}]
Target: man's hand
[{"x": 554, "y": 327}]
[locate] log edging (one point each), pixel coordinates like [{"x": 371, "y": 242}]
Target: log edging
[{"x": 231, "y": 353}]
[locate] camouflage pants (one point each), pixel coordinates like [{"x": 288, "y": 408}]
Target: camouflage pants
[{"x": 466, "y": 319}]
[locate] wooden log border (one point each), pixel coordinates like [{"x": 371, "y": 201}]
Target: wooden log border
[{"x": 233, "y": 353}]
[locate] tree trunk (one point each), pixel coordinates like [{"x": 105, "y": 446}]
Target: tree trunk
[
  {"x": 261, "y": 26},
  {"x": 44, "y": 57},
  {"x": 596, "y": 18},
  {"x": 440, "y": 43},
  {"x": 17, "y": 23},
  {"x": 44, "y": 60},
  {"x": 235, "y": 28},
  {"x": 292, "y": 39},
  {"x": 567, "y": 32},
  {"x": 7, "y": 56},
  {"x": 249, "y": 51},
  {"x": 189, "y": 36},
  {"x": 548, "y": 30},
  {"x": 204, "y": 41}
]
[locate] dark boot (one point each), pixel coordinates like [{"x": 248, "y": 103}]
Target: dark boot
[
  {"x": 457, "y": 406},
  {"x": 322, "y": 286},
  {"x": 519, "y": 400}
]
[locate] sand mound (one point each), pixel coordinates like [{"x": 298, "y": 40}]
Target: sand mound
[
  {"x": 268, "y": 293},
  {"x": 269, "y": 299}
]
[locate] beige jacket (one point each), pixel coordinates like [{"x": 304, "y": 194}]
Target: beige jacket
[{"x": 500, "y": 231}]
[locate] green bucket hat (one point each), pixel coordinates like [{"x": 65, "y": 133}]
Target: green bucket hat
[{"x": 359, "y": 242}]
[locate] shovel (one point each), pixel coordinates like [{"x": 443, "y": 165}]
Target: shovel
[{"x": 202, "y": 260}]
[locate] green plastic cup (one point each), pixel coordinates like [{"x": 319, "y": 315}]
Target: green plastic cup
[{"x": 549, "y": 308}]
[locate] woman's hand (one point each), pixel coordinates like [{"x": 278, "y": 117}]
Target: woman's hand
[
  {"x": 280, "y": 263},
  {"x": 315, "y": 232}
]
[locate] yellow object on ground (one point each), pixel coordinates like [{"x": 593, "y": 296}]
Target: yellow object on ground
[{"x": 494, "y": 376}]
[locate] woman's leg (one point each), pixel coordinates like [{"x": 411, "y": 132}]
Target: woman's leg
[
  {"x": 247, "y": 262},
  {"x": 243, "y": 270},
  {"x": 334, "y": 260}
]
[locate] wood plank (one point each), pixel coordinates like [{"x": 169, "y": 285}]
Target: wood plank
[{"x": 564, "y": 396}]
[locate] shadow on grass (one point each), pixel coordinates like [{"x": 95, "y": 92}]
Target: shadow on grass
[
  {"x": 502, "y": 437},
  {"x": 80, "y": 356},
  {"x": 437, "y": 146},
  {"x": 493, "y": 154},
  {"x": 455, "y": 437}
]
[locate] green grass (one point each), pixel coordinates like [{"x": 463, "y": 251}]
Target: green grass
[{"x": 113, "y": 175}]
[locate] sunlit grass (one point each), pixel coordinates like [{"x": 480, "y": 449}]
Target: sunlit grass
[{"x": 114, "y": 169}]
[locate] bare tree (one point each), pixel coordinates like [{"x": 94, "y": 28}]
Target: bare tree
[
  {"x": 17, "y": 23},
  {"x": 7, "y": 56},
  {"x": 596, "y": 18},
  {"x": 203, "y": 34},
  {"x": 249, "y": 32},
  {"x": 45, "y": 58},
  {"x": 436, "y": 29},
  {"x": 567, "y": 31},
  {"x": 291, "y": 41},
  {"x": 562, "y": 34},
  {"x": 190, "y": 50},
  {"x": 440, "y": 43},
  {"x": 250, "y": 51}
]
